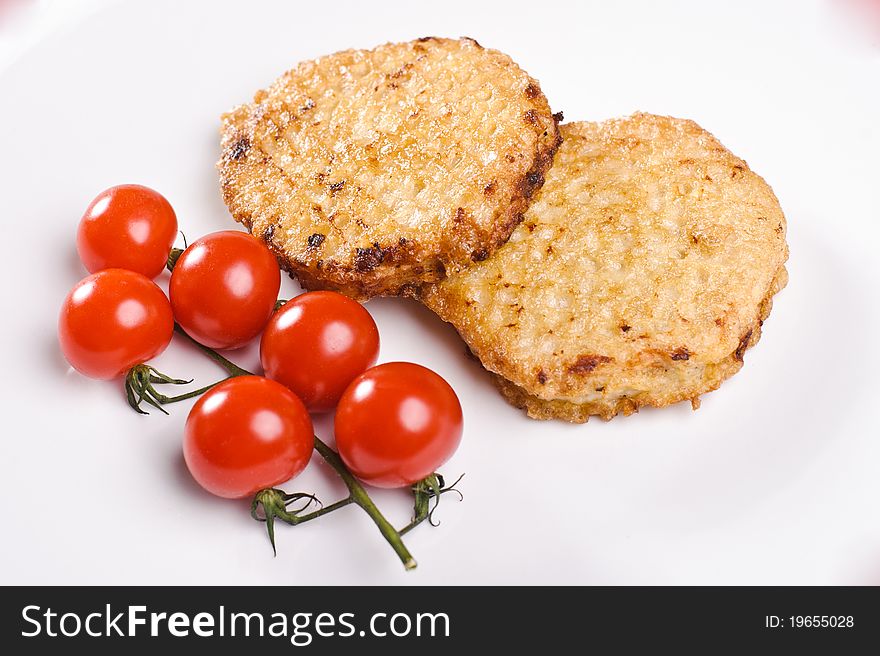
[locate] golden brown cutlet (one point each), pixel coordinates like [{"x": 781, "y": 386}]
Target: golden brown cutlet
[
  {"x": 369, "y": 171},
  {"x": 643, "y": 270}
]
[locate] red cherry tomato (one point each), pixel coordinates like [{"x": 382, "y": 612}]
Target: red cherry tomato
[
  {"x": 127, "y": 227},
  {"x": 223, "y": 289},
  {"x": 316, "y": 344},
  {"x": 113, "y": 320},
  {"x": 397, "y": 423},
  {"x": 247, "y": 434}
]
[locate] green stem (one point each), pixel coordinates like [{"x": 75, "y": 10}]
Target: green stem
[
  {"x": 161, "y": 398},
  {"x": 231, "y": 368},
  {"x": 406, "y": 529},
  {"x": 422, "y": 498},
  {"x": 358, "y": 495},
  {"x": 347, "y": 501}
]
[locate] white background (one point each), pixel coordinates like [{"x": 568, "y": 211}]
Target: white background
[{"x": 775, "y": 480}]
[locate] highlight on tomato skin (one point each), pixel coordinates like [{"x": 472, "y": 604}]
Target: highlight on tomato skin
[
  {"x": 397, "y": 423},
  {"x": 246, "y": 434},
  {"x": 223, "y": 289},
  {"x": 316, "y": 344},
  {"x": 113, "y": 320},
  {"x": 127, "y": 227}
]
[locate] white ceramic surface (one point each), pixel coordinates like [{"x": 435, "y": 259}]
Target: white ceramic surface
[{"x": 774, "y": 480}]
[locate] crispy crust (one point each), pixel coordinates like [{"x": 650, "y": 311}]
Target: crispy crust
[
  {"x": 579, "y": 413},
  {"x": 373, "y": 171},
  {"x": 641, "y": 273}
]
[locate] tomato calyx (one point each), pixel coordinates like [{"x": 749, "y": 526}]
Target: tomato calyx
[
  {"x": 173, "y": 256},
  {"x": 141, "y": 379},
  {"x": 175, "y": 253},
  {"x": 429, "y": 488},
  {"x": 140, "y": 382},
  {"x": 139, "y": 388},
  {"x": 275, "y": 504}
]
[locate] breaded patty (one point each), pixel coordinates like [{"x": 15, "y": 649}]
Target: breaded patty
[
  {"x": 641, "y": 274},
  {"x": 369, "y": 171}
]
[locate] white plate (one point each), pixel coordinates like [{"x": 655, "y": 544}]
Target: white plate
[{"x": 774, "y": 480}]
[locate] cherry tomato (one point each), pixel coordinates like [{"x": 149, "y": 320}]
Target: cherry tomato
[
  {"x": 223, "y": 289},
  {"x": 397, "y": 423},
  {"x": 247, "y": 434},
  {"x": 316, "y": 344},
  {"x": 127, "y": 227},
  {"x": 113, "y": 320}
]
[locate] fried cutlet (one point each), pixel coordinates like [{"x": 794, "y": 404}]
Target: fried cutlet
[
  {"x": 642, "y": 272},
  {"x": 369, "y": 171}
]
